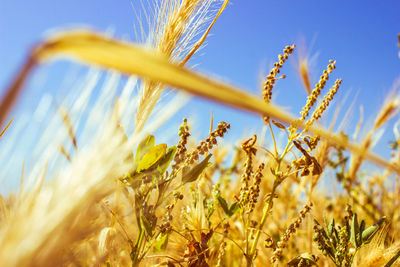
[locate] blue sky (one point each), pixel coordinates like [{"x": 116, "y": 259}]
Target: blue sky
[{"x": 360, "y": 35}]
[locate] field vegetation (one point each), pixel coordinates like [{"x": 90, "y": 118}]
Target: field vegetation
[{"x": 122, "y": 198}]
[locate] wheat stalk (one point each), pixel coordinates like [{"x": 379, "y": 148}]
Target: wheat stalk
[{"x": 101, "y": 50}]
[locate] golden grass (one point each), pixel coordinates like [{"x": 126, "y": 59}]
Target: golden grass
[
  {"x": 107, "y": 52},
  {"x": 128, "y": 200},
  {"x": 175, "y": 30}
]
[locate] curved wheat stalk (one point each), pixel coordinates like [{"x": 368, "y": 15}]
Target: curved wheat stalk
[{"x": 101, "y": 50}]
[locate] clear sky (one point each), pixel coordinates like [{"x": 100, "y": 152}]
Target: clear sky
[{"x": 360, "y": 35}]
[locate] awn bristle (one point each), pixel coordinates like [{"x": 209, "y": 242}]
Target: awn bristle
[
  {"x": 304, "y": 65},
  {"x": 103, "y": 197},
  {"x": 178, "y": 24},
  {"x": 58, "y": 215},
  {"x": 48, "y": 218},
  {"x": 303, "y": 70},
  {"x": 388, "y": 110}
]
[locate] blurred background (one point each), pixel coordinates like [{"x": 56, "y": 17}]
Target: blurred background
[{"x": 360, "y": 35}]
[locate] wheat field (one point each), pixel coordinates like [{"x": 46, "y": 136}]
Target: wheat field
[{"x": 104, "y": 191}]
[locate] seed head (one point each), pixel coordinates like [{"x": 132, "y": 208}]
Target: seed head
[
  {"x": 312, "y": 98},
  {"x": 272, "y": 76}
]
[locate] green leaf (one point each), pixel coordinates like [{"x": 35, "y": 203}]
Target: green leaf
[
  {"x": 369, "y": 233},
  {"x": 161, "y": 242},
  {"x": 362, "y": 228},
  {"x": 194, "y": 173},
  {"x": 155, "y": 170},
  {"x": 152, "y": 157},
  {"x": 331, "y": 232},
  {"x": 234, "y": 208},
  {"x": 164, "y": 162},
  {"x": 331, "y": 225},
  {"x": 228, "y": 211},
  {"x": 223, "y": 204},
  {"x": 355, "y": 232},
  {"x": 323, "y": 232},
  {"x": 144, "y": 146},
  {"x": 336, "y": 235},
  {"x": 148, "y": 226},
  {"x": 209, "y": 204}
]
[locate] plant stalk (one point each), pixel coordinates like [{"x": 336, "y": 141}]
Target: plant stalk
[{"x": 267, "y": 209}]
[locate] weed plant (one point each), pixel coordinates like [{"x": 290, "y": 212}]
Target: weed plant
[{"x": 129, "y": 200}]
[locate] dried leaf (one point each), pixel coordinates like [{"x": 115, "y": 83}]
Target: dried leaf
[
  {"x": 279, "y": 125},
  {"x": 307, "y": 257}
]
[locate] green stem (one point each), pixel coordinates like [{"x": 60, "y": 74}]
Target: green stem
[
  {"x": 245, "y": 230},
  {"x": 138, "y": 245},
  {"x": 267, "y": 209},
  {"x": 285, "y": 151},
  {"x": 273, "y": 138}
]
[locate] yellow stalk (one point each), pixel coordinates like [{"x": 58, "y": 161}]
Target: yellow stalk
[{"x": 96, "y": 49}]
